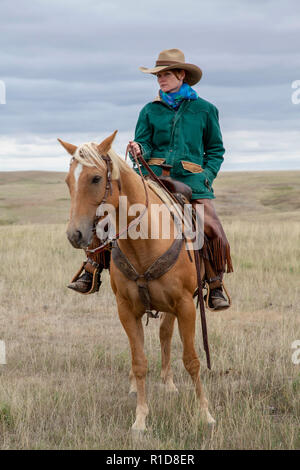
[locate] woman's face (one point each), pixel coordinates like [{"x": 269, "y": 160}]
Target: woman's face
[{"x": 169, "y": 82}]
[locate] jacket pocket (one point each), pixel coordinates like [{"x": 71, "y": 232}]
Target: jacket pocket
[
  {"x": 156, "y": 161},
  {"x": 192, "y": 167}
]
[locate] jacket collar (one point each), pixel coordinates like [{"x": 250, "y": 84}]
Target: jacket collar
[{"x": 157, "y": 98}]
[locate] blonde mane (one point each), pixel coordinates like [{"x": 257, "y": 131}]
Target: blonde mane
[{"x": 88, "y": 155}]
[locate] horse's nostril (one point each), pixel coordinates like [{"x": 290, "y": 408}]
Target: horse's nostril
[
  {"x": 78, "y": 235},
  {"x": 78, "y": 238}
]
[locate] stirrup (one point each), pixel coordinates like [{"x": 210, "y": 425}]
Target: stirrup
[{"x": 95, "y": 281}]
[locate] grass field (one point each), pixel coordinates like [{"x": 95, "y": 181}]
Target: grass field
[{"x": 65, "y": 384}]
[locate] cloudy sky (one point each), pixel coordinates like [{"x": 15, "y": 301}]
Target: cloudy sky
[{"x": 70, "y": 70}]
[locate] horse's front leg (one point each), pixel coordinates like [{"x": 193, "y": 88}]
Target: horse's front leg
[
  {"x": 134, "y": 329},
  {"x": 132, "y": 379},
  {"x": 132, "y": 383},
  {"x": 166, "y": 329}
]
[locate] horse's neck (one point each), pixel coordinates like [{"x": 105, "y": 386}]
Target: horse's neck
[
  {"x": 132, "y": 187},
  {"x": 144, "y": 250}
]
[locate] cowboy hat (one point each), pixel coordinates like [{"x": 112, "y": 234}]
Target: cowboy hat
[{"x": 174, "y": 59}]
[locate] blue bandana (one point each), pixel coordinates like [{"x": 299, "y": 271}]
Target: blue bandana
[{"x": 175, "y": 99}]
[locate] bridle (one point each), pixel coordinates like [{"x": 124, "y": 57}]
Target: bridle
[
  {"x": 109, "y": 191},
  {"x": 108, "y": 187}
]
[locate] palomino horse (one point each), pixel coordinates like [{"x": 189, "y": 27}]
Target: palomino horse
[{"x": 172, "y": 293}]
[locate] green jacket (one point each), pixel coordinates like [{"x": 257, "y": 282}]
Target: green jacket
[{"x": 189, "y": 139}]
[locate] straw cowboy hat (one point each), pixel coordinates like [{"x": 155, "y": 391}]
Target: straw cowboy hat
[{"x": 174, "y": 59}]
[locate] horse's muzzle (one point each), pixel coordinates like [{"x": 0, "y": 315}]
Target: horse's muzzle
[{"x": 78, "y": 239}]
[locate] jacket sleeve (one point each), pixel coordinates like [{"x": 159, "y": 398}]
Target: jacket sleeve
[
  {"x": 143, "y": 134},
  {"x": 213, "y": 146}
]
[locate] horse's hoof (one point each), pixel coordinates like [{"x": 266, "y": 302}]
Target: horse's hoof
[
  {"x": 132, "y": 394},
  {"x": 171, "y": 388},
  {"x": 138, "y": 435},
  {"x": 211, "y": 424},
  {"x": 210, "y": 420},
  {"x": 206, "y": 418}
]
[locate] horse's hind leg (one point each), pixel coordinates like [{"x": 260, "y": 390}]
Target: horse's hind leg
[
  {"x": 186, "y": 323},
  {"x": 165, "y": 335},
  {"x": 134, "y": 329}
]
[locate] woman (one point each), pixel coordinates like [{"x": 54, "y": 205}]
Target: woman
[{"x": 181, "y": 129}]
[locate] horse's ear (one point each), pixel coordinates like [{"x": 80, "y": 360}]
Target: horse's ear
[
  {"x": 105, "y": 146},
  {"x": 69, "y": 147}
]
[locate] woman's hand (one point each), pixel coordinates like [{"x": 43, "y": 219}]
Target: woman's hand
[{"x": 134, "y": 148}]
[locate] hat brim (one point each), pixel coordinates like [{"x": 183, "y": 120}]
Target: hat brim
[{"x": 192, "y": 77}]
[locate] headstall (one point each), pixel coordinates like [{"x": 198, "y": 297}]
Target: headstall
[{"x": 108, "y": 190}]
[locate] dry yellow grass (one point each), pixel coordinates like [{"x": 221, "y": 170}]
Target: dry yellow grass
[{"x": 65, "y": 384}]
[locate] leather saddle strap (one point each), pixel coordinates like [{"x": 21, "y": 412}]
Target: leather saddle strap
[
  {"x": 160, "y": 266},
  {"x": 165, "y": 262},
  {"x": 202, "y": 309},
  {"x": 157, "y": 269},
  {"x": 123, "y": 263}
]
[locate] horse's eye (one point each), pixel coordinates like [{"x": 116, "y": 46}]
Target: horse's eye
[{"x": 96, "y": 179}]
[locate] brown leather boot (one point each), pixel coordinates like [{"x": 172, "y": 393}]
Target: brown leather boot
[
  {"x": 84, "y": 283},
  {"x": 217, "y": 300},
  {"x": 88, "y": 279},
  {"x": 88, "y": 282}
]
